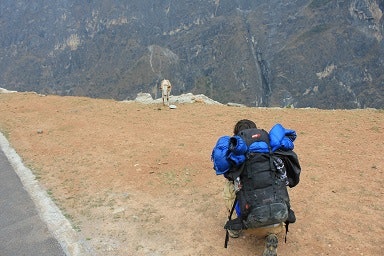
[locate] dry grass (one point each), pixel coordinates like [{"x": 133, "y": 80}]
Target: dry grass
[{"x": 137, "y": 179}]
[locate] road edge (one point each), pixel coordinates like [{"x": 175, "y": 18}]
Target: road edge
[{"x": 48, "y": 211}]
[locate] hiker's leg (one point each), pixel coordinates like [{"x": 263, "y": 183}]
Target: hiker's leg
[
  {"x": 229, "y": 196},
  {"x": 261, "y": 233},
  {"x": 271, "y": 243},
  {"x": 271, "y": 234}
]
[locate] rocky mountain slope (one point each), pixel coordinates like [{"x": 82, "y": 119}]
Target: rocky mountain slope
[{"x": 303, "y": 53}]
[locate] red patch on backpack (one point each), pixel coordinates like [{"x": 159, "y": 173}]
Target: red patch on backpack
[{"x": 256, "y": 136}]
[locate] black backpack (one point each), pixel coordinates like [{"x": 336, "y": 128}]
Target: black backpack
[{"x": 261, "y": 182}]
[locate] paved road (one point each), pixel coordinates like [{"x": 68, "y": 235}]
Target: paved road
[{"x": 22, "y": 232}]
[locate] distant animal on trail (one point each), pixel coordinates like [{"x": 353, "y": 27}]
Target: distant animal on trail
[{"x": 165, "y": 87}]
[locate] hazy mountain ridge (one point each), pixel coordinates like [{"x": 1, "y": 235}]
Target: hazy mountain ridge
[{"x": 325, "y": 54}]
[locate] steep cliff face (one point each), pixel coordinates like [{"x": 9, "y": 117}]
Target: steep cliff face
[{"x": 326, "y": 54}]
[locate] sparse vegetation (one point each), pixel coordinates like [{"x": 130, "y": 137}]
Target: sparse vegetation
[
  {"x": 313, "y": 32},
  {"x": 318, "y": 3},
  {"x": 130, "y": 190}
]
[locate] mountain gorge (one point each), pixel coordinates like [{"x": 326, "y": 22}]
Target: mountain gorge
[{"x": 302, "y": 53}]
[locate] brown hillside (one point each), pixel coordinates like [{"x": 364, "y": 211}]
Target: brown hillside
[{"x": 137, "y": 179}]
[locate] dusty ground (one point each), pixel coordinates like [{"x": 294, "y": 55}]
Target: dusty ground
[{"x": 137, "y": 179}]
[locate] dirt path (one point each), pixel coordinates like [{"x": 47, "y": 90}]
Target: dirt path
[{"x": 137, "y": 179}]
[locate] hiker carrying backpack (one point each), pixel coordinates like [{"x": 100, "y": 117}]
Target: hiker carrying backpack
[{"x": 255, "y": 163}]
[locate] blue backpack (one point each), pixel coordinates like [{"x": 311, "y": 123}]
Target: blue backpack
[
  {"x": 230, "y": 152},
  {"x": 256, "y": 160}
]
